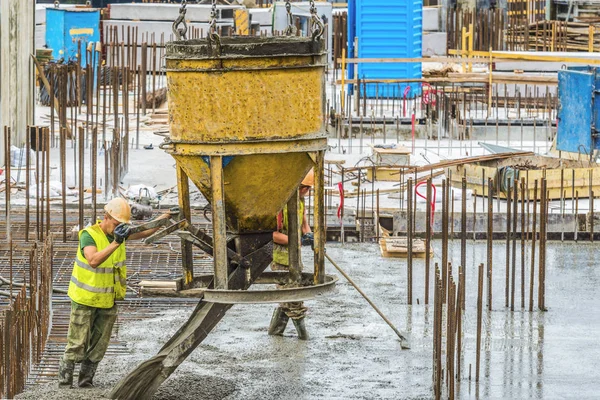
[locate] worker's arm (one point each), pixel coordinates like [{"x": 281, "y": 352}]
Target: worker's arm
[
  {"x": 280, "y": 238},
  {"x": 95, "y": 257},
  {"x": 147, "y": 232}
]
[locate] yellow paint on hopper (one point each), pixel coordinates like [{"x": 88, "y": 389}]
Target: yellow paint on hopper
[
  {"x": 81, "y": 31},
  {"x": 246, "y": 105},
  {"x": 256, "y": 185}
]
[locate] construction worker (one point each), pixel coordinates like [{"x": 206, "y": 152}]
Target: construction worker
[
  {"x": 98, "y": 279},
  {"x": 295, "y": 310}
]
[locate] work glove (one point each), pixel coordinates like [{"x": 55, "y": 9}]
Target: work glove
[
  {"x": 308, "y": 239},
  {"x": 121, "y": 233}
]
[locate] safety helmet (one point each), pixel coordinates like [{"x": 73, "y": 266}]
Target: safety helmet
[
  {"x": 309, "y": 179},
  {"x": 119, "y": 209}
]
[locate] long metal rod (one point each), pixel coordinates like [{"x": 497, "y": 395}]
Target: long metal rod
[{"x": 403, "y": 340}]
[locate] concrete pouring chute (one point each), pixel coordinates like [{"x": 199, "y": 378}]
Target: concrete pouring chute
[{"x": 246, "y": 125}]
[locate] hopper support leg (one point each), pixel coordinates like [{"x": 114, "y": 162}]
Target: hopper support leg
[
  {"x": 187, "y": 255},
  {"x": 221, "y": 266},
  {"x": 319, "y": 218},
  {"x": 293, "y": 239},
  {"x": 142, "y": 382}
]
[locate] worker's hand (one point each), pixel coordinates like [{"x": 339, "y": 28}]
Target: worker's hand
[
  {"x": 121, "y": 232},
  {"x": 308, "y": 239}
]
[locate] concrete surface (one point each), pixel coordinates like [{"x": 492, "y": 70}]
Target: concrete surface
[{"x": 352, "y": 353}]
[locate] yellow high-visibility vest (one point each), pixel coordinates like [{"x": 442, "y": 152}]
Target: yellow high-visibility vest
[
  {"x": 100, "y": 286},
  {"x": 280, "y": 252}
]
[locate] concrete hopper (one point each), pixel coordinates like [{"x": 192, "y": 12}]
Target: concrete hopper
[{"x": 259, "y": 106}]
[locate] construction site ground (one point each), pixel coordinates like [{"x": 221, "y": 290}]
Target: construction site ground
[{"x": 352, "y": 353}]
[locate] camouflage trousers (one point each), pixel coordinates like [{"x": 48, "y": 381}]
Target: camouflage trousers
[
  {"x": 90, "y": 329},
  {"x": 296, "y": 309}
]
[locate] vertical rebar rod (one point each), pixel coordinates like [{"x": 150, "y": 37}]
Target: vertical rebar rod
[
  {"x": 94, "y": 168},
  {"x": 27, "y": 178},
  {"x": 479, "y": 322},
  {"x": 508, "y": 235},
  {"x": 522, "y": 242},
  {"x": 428, "y": 223},
  {"x": 514, "y": 244},
  {"x": 409, "y": 239},
  {"x": 542, "y": 246},
  {"x": 47, "y": 181},
  {"x": 444, "y": 239},
  {"x": 459, "y": 313},
  {"x": 42, "y": 182},
  {"x": 490, "y": 237},
  {"x": 63, "y": 178},
  {"x": 533, "y": 238},
  {"x": 463, "y": 224},
  {"x": 38, "y": 184},
  {"x": 7, "y": 183}
]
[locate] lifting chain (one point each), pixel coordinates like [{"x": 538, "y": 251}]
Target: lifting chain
[
  {"x": 213, "y": 35},
  {"x": 317, "y": 24},
  {"x": 213, "y": 17},
  {"x": 291, "y": 28},
  {"x": 181, "y": 32}
]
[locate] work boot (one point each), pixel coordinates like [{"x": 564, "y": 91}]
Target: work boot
[
  {"x": 65, "y": 373},
  {"x": 86, "y": 374},
  {"x": 300, "y": 328},
  {"x": 278, "y": 322}
]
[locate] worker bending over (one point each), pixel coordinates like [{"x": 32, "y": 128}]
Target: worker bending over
[
  {"x": 98, "y": 279},
  {"x": 295, "y": 310}
]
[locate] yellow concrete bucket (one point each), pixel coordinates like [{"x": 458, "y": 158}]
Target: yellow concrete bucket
[{"x": 258, "y": 102}]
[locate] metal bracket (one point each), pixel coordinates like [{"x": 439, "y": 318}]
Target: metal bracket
[
  {"x": 157, "y": 223},
  {"x": 272, "y": 295},
  {"x": 208, "y": 249},
  {"x": 167, "y": 231}
]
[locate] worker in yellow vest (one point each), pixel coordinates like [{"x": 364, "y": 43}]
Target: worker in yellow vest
[
  {"x": 98, "y": 279},
  {"x": 295, "y": 310}
]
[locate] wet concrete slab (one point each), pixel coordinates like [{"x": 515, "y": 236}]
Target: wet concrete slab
[{"x": 353, "y": 354}]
